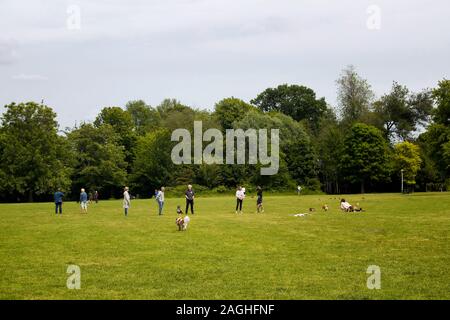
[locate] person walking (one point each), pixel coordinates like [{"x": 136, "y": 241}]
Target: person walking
[
  {"x": 160, "y": 200},
  {"x": 259, "y": 200},
  {"x": 126, "y": 201},
  {"x": 240, "y": 195},
  {"x": 58, "y": 201},
  {"x": 189, "y": 199},
  {"x": 83, "y": 201}
]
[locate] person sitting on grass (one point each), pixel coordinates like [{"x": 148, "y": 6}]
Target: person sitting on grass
[{"x": 347, "y": 207}]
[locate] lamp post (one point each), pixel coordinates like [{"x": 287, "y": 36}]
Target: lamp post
[{"x": 402, "y": 179}]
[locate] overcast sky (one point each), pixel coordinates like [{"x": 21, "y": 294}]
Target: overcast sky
[{"x": 80, "y": 56}]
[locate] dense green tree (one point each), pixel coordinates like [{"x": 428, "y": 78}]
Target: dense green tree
[
  {"x": 436, "y": 143},
  {"x": 296, "y": 152},
  {"x": 33, "y": 158},
  {"x": 329, "y": 145},
  {"x": 143, "y": 116},
  {"x": 230, "y": 110},
  {"x": 400, "y": 112},
  {"x": 406, "y": 157},
  {"x": 365, "y": 156},
  {"x": 153, "y": 166},
  {"x": 299, "y": 102},
  {"x": 100, "y": 160},
  {"x": 122, "y": 124},
  {"x": 442, "y": 96},
  {"x": 355, "y": 95}
]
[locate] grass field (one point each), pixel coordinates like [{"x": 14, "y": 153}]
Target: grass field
[{"x": 226, "y": 256}]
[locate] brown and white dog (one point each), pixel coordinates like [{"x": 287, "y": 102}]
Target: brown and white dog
[{"x": 182, "y": 223}]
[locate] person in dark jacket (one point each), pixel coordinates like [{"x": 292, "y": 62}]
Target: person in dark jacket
[
  {"x": 58, "y": 201},
  {"x": 189, "y": 199},
  {"x": 259, "y": 200}
]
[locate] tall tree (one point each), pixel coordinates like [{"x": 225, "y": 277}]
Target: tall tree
[
  {"x": 442, "y": 96},
  {"x": 122, "y": 125},
  {"x": 32, "y": 154},
  {"x": 299, "y": 102},
  {"x": 100, "y": 160},
  {"x": 355, "y": 95},
  {"x": 407, "y": 158},
  {"x": 436, "y": 143},
  {"x": 401, "y": 112},
  {"x": 153, "y": 166},
  {"x": 365, "y": 156},
  {"x": 329, "y": 144},
  {"x": 229, "y": 110},
  {"x": 144, "y": 117},
  {"x": 298, "y": 161}
]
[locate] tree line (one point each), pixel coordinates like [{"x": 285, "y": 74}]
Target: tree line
[{"x": 363, "y": 144}]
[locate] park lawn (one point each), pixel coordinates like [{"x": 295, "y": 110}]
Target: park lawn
[{"x": 227, "y": 256}]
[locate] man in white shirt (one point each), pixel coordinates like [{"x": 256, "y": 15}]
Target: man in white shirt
[
  {"x": 347, "y": 207},
  {"x": 160, "y": 200},
  {"x": 126, "y": 201},
  {"x": 240, "y": 195}
]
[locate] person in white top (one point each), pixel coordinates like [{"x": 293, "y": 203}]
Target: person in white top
[
  {"x": 240, "y": 195},
  {"x": 160, "y": 200},
  {"x": 347, "y": 207},
  {"x": 126, "y": 201}
]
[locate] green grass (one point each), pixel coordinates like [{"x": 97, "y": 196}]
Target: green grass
[{"x": 226, "y": 256}]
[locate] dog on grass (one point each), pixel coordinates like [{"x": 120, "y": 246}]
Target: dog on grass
[
  {"x": 325, "y": 207},
  {"x": 182, "y": 223}
]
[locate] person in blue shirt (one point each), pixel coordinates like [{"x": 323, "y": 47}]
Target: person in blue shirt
[
  {"x": 83, "y": 201},
  {"x": 58, "y": 201}
]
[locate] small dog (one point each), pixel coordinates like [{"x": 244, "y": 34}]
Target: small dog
[
  {"x": 325, "y": 207},
  {"x": 182, "y": 223},
  {"x": 312, "y": 209}
]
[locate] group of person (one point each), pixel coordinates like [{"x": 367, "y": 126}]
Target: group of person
[
  {"x": 159, "y": 197},
  {"x": 240, "y": 196},
  {"x": 84, "y": 200},
  {"x": 189, "y": 197}
]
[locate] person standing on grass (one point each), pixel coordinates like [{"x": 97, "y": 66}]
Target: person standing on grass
[
  {"x": 299, "y": 189},
  {"x": 240, "y": 195},
  {"x": 160, "y": 199},
  {"x": 83, "y": 201},
  {"x": 58, "y": 201},
  {"x": 96, "y": 196},
  {"x": 259, "y": 200},
  {"x": 189, "y": 199},
  {"x": 126, "y": 201}
]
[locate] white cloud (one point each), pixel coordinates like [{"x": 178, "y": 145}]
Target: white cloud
[
  {"x": 200, "y": 51},
  {"x": 29, "y": 77}
]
